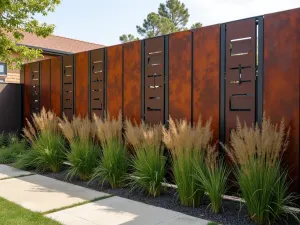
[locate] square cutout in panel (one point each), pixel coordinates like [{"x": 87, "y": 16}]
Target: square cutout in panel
[
  {"x": 241, "y": 102},
  {"x": 241, "y": 46}
]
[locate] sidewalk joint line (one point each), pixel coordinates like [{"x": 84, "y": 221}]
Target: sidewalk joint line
[{"x": 19, "y": 176}]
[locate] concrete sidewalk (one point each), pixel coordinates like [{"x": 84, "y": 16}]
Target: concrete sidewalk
[
  {"x": 39, "y": 193},
  {"x": 7, "y": 171}
]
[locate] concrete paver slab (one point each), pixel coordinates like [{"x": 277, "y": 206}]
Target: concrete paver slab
[
  {"x": 39, "y": 193},
  {"x": 117, "y": 211},
  {"x": 7, "y": 171}
]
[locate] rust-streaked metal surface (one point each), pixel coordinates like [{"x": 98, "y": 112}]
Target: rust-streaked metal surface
[
  {"x": 154, "y": 80},
  {"x": 281, "y": 78},
  {"x": 240, "y": 73},
  {"x": 114, "y": 79},
  {"x": 27, "y": 85},
  {"x": 35, "y": 104},
  {"x": 132, "y": 81},
  {"x": 68, "y": 86},
  {"x": 206, "y": 63},
  {"x": 180, "y": 71},
  {"x": 46, "y": 84},
  {"x": 97, "y": 66},
  {"x": 56, "y": 91},
  {"x": 81, "y": 84}
]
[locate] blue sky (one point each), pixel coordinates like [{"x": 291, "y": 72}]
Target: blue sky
[{"x": 103, "y": 21}]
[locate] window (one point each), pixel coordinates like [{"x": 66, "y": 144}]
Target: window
[{"x": 3, "y": 68}]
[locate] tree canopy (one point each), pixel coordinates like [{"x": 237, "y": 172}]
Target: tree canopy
[
  {"x": 172, "y": 16},
  {"x": 17, "y": 17}
]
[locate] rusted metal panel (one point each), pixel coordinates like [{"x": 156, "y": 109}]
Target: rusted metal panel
[
  {"x": 281, "y": 81},
  {"x": 132, "y": 81},
  {"x": 81, "y": 84},
  {"x": 27, "y": 85},
  {"x": 46, "y": 84},
  {"x": 35, "y": 104},
  {"x": 97, "y": 81},
  {"x": 240, "y": 73},
  {"x": 206, "y": 61},
  {"x": 68, "y": 86},
  {"x": 154, "y": 80},
  {"x": 114, "y": 79},
  {"x": 56, "y": 90},
  {"x": 180, "y": 75}
]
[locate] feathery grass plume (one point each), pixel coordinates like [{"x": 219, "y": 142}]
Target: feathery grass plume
[
  {"x": 257, "y": 155},
  {"x": 84, "y": 154},
  {"x": 187, "y": 143},
  {"x": 113, "y": 164},
  {"x": 148, "y": 161},
  {"x": 47, "y": 151}
]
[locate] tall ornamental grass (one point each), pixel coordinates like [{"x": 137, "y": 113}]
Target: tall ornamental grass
[
  {"x": 84, "y": 153},
  {"x": 185, "y": 144},
  {"x": 257, "y": 155},
  {"x": 47, "y": 146},
  {"x": 113, "y": 164},
  {"x": 147, "y": 161}
]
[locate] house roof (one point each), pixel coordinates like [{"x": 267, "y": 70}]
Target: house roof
[{"x": 57, "y": 43}]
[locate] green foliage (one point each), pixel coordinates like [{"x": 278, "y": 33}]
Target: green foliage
[
  {"x": 128, "y": 38},
  {"x": 83, "y": 159},
  {"x": 172, "y": 16},
  {"x": 16, "y": 18},
  {"x": 196, "y": 25},
  {"x": 212, "y": 179},
  {"x": 13, "y": 151},
  {"x": 47, "y": 153},
  {"x": 2, "y": 140}
]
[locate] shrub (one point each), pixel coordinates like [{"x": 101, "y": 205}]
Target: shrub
[
  {"x": 84, "y": 153},
  {"x": 113, "y": 164},
  {"x": 148, "y": 161},
  {"x": 14, "y": 148},
  {"x": 186, "y": 143},
  {"x": 257, "y": 155},
  {"x": 47, "y": 151}
]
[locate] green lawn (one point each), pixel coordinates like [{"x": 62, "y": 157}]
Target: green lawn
[{"x": 12, "y": 214}]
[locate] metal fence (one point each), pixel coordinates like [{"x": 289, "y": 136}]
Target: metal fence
[{"x": 240, "y": 68}]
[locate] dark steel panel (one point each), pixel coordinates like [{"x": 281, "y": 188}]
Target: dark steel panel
[
  {"x": 46, "y": 84},
  {"x": 27, "y": 90},
  {"x": 35, "y": 88},
  {"x": 240, "y": 72},
  {"x": 11, "y": 107},
  {"x": 206, "y": 63},
  {"x": 81, "y": 84},
  {"x": 132, "y": 81},
  {"x": 68, "y": 86},
  {"x": 180, "y": 71},
  {"x": 154, "y": 80},
  {"x": 56, "y": 90},
  {"x": 114, "y": 79},
  {"x": 222, "y": 84},
  {"x": 281, "y": 78},
  {"x": 97, "y": 82}
]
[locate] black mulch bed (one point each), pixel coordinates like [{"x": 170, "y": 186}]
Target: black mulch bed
[{"x": 233, "y": 213}]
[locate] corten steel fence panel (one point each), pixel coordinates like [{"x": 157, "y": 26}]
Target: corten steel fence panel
[
  {"x": 154, "y": 87},
  {"x": 11, "y": 98},
  {"x": 114, "y": 80},
  {"x": 206, "y": 61},
  {"x": 281, "y": 81},
  {"x": 46, "y": 84},
  {"x": 35, "y": 89},
  {"x": 68, "y": 86},
  {"x": 56, "y": 85},
  {"x": 132, "y": 81},
  {"x": 180, "y": 75},
  {"x": 97, "y": 82},
  {"x": 27, "y": 86},
  {"x": 240, "y": 73},
  {"x": 81, "y": 84}
]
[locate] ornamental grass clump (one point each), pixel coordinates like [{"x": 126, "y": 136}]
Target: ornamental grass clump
[
  {"x": 47, "y": 146},
  {"x": 84, "y": 152},
  {"x": 148, "y": 161},
  {"x": 185, "y": 144},
  {"x": 113, "y": 164},
  {"x": 257, "y": 155}
]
